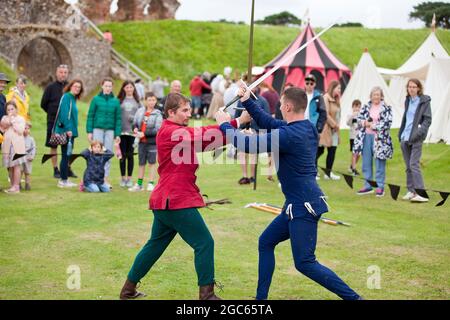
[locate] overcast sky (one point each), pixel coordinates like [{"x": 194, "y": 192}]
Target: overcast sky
[{"x": 371, "y": 13}]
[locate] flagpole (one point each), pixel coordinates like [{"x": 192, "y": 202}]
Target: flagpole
[
  {"x": 250, "y": 74},
  {"x": 250, "y": 46}
]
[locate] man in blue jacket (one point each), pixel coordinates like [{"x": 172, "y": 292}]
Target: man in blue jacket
[
  {"x": 294, "y": 143},
  {"x": 316, "y": 111}
]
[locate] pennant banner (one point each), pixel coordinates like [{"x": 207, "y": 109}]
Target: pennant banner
[
  {"x": 444, "y": 196},
  {"x": 18, "y": 156},
  {"x": 45, "y": 157},
  {"x": 349, "y": 180},
  {"x": 422, "y": 192},
  {"x": 394, "y": 189}
]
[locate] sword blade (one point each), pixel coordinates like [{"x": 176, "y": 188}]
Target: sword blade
[
  {"x": 279, "y": 64},
  {"x": 293, "y": 54}
]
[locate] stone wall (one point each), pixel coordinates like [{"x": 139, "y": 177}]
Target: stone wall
[
  {"x": 98, "y": 10},
  {"x": 38, "y": 35}
]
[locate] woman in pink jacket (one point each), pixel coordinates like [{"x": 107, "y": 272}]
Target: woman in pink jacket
[{"x": 14, "y": 143}]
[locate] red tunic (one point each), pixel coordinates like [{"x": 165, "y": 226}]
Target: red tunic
[{"x": 177, "y": 146}]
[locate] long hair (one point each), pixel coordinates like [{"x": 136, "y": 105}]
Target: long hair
[
  {"x": 121, "y": 96},
  {"x": 333, "y": 84},
  {"x": 68, "y": 87},
  {"x": 418, "y": 84}
]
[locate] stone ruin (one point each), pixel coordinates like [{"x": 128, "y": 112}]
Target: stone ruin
[
  {"x": 38, "y": 35},
  {"x": 99, "y": 10}
]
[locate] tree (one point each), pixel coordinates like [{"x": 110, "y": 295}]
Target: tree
[
  {"x": 350, "y": 25},
  {"x": 424, "y": 11},
  {"x": 282, "y": 18}
]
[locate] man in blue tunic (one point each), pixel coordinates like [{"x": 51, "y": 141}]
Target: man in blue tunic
[{"x": 294, "y": 143}]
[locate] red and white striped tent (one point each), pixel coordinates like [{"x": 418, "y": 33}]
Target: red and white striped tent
[{"x": 316, "y": 59}]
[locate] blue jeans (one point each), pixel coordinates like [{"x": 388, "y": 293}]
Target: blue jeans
[
  {"x": 64, "y": 164},
  {"x": 367, "y": 163},
  {"x": 92, "y": 187},
  {"x": 302, "y": 232},
  {"x": 196, "y": 102},
  {"x": 107, "y": 138}
]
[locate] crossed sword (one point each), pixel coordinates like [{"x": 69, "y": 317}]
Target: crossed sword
[{"x": 276, "y": 66}]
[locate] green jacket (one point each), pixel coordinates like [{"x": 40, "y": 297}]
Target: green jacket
[
  {"x": 68, "y": 115},
  {"x": 104, "y": 113}
]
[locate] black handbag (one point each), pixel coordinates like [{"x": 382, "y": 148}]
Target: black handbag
[{"x": 57, "y": 139}]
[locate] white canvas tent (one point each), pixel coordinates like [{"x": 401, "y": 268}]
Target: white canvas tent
[
  {"x": 416, "y": 66},
  {"x": 365, "y": 77},
  {"x": 437, "y": 86}
]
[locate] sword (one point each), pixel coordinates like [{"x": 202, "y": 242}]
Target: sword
[{"x": 279, "y": 64}]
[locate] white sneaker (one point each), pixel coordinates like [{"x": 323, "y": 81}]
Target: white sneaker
[
  {"x": 150, "y": 186},
  {"x": 332, "y": 176},
  {"x": 318, "y": 176},
  {"x": 418, "y": 198},
  {"x": 129, "y": 183},
  {"x": 136, "y": 188},
  {"x": 123, "y": 183},
  {"x": 66, "y": 184},
  {"x": 408, "y": 196}
]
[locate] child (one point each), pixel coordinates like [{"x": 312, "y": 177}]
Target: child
[
  {"x": 94, "y": 176},
  {"x": 352, "y": 123},
  {"x": 146, "y": 125},
  {"x": 13, "y": 126},
  {"x": 30, "y": 149}
]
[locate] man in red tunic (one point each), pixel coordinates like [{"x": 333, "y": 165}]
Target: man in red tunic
[{"x": 176, "y": 197}]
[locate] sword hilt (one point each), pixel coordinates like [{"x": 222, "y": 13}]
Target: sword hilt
[{"x": 238, "y": 97}]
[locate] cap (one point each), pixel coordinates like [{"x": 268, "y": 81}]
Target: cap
[
  {"x": 3, "y": 77},
  {"x": 310, "y": 77}
]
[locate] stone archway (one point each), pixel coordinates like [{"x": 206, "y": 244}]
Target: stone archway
[{"x": 39, "y": 58}]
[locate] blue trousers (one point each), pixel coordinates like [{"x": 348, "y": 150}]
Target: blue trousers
[
  {"x": 367, "y": 163},
  {"x": 92, "y": 187},
  {"x": 302, "y": 232},
  {"x": 64, "y": 164}
]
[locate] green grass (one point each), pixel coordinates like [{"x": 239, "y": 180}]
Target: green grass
[
  {"x": 44, "y": 231},
  {"x": 180, "y": 49}
]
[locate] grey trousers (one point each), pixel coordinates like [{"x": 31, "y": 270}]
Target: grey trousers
[{"x": 412, "y": 152}]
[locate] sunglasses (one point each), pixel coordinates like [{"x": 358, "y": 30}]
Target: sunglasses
[{"x": 309, "y": 83}]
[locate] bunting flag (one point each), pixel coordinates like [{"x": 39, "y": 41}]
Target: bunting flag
[
  {"x": 395, "y": 190},
  {"x": 349, "y": 179},
  {"x": 73, "y": 157},
  {"x": 372, "y": 183},
  {"x": 326, "y": 171},
  {"x": 276, "y": 210},
  {"x": 217, "y": 152},
  {"x": 422, "y": 192},
  {"x": 444, "y": 196},
  {"x": 47, "y": 156},
  {"x": 18, "y": 156}
]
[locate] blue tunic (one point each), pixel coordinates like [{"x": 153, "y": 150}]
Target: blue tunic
[{"x": 295, "y": 147}]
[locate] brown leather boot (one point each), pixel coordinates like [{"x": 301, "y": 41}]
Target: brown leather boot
[
  {"x": 129, "y": 291},
  {"x": 207, "y": 293}
]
